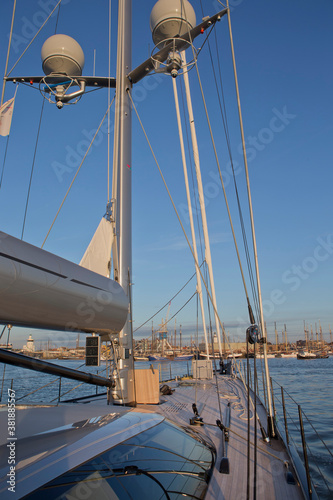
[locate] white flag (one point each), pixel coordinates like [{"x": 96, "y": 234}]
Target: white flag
[{"x": 6, "y": 113}]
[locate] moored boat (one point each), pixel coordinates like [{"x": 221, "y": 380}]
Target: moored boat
[
  {"x": 156, "y": 357},
  {"x": 306, "y": 355}
]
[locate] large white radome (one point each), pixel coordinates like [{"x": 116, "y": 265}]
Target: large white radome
[
  {"x": 62, "y": 54},
  {"x": 170, "y": 18}
]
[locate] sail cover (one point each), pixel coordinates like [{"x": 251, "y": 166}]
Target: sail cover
[{"x": 39, "y": 289}]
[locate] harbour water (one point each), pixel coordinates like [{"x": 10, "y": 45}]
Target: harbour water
[{"x": 308, "y": 383}]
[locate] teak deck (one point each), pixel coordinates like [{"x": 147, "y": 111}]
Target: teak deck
[{"x": 271, "y": 457}]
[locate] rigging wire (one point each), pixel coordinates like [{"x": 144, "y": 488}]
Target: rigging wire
[
  {"x": 56, "y": 26},
  {"x": 109, "y": 99},
  {"x": 3, "y": 330},
  {"x": 254, "y": 291},
  {"x": 177, "y": 312},
  {"x": 78, "y": 170},
  {"x": 191, "y": 169},
  {"x": 215, "y": 367},
  {"x": 8, "y": 52},
  {"x": 4, "y": 366},
  {"x": 4, "y": 161},
  {"x": 225, "y": 125},
  {"x": 166, "y": 304},
  {"x": 189, "y": 203},
  {"x": 248, "y": 422},
  {"x": 32, "y": 40},
  {"x": 222, "y": 183},
  {"x": 176, "y": 211},
  {"x": 254, "y": 243},
  {"x": 203, "y": 213},
  {"x": 4, "y": 85},
  {"x": 226, "y": 131},
  {"x": 255, "y": 423},
  {"x": 193, "y": 187},
  {"x": 130, "y": 284},
  {"x": 32, "y": 169}
]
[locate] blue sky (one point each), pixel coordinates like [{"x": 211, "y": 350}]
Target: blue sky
[{"x": 283, "y": 54}]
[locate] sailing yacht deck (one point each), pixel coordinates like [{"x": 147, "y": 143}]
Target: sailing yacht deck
[
  {"x": 54, "y": 438},
  {"x": 271, "y": 457}
]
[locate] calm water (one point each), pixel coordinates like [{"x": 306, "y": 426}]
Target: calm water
[{"x": 308, "y": 382}]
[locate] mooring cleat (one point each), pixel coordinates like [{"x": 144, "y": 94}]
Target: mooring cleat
[{"x": 196, "y": 421}]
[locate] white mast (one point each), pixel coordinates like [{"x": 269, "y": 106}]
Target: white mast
[
  {"x": 201, "y": 200},
  {"x": 190, "y": 213},
  {"x": 124, "y": 393}
]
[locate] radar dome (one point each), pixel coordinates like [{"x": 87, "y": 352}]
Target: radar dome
[
  {"x": 62, "y": 54},
  {"x": 170, "y": 18}
]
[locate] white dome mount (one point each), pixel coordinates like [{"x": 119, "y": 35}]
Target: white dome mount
[
  {"x": 171, "y": 18},
  {"x": 62, "y": 54},
  {"x": 63, "y": 62}
]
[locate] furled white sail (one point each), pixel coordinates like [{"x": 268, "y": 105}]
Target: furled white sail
[
  {"x": 6, "y": 113},
  {"x": 98, "y": 254}
]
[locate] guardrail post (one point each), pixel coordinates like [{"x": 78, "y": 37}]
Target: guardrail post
[
  {"x": 305, "y": 453},
  {"x": 264, "y": 389},
  {"x": 274, "y": 409},
  {"x": 59, "y": 394},
  {"x": 284, "y": 416}
]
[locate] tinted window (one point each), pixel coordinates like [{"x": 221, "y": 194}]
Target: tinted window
[{"x": 160, "y": 462}]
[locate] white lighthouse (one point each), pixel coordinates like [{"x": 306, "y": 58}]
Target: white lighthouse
[{"x": 30, "y": 346}]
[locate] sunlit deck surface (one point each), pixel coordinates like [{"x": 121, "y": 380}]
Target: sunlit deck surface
[
  {"x": 271, "y": 457},
  {"x": 271, "y": 470}
]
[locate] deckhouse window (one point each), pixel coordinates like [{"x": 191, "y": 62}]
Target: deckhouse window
[{"x": 163, "y": 462}]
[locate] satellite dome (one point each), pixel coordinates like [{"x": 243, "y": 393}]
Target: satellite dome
[
  {"x": 62, "y": 54},
  {"x": 170, "y": 18}
]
